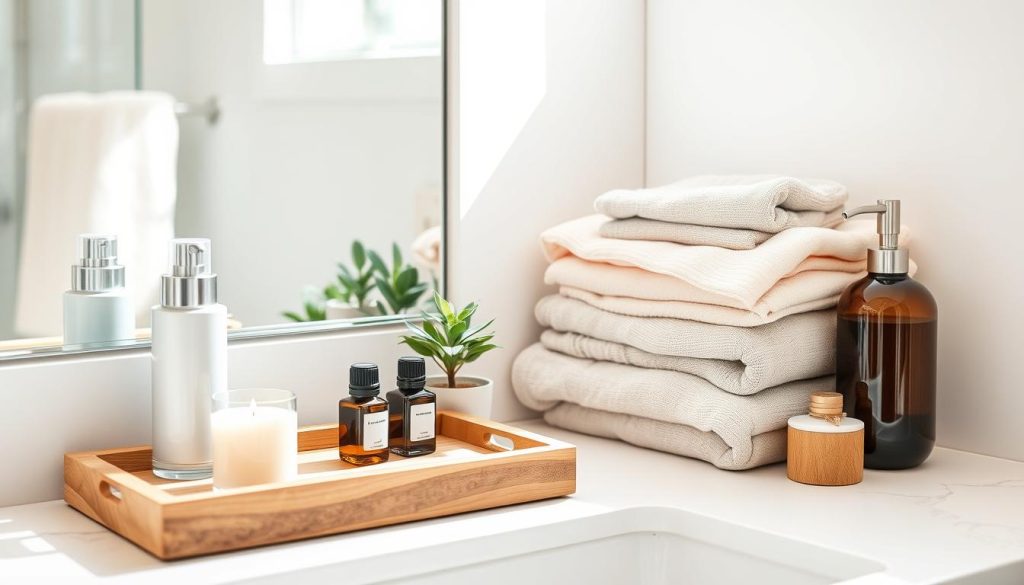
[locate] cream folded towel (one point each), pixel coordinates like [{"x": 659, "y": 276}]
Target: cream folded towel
[
  {"x": 740, "y": 360},
  {"x": 632, "y": 291},
  {"x": 762, "y": 202},
  {"x": 765, "y": 448},
  {"x": 638, "y": 228},
  {"x": 725, "y": 427},
  {"x": 738, "y": 278}
]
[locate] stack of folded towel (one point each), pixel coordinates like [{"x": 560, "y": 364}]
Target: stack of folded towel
[{"x": 694, "y": 318}]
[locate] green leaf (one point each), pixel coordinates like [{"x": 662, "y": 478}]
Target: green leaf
[
  {"x": 407, "y": 279},
  {"x": 377, "y": 264},
  {"x": 358, "y": 254},
  {"x": 293, "y": 316},
  {"x": 455, "y": 333},
  {"x": 431, "y": 330},
  {"x": 386, "y": 291},
  {"x": 467, "y": 312},
  {"x": 396, "y": 257},
  {"x": 453, "y": 350},
  {"x": 444, "y": 307},
  {"x": 419, "y": 346},
  {"x": 314, "y": 312},
  {"x": 474, "y": 332},
  {"x": 471, "y": 356},
  {"x": 417, "y": 332},
  {"x": 381, "y": 309}
]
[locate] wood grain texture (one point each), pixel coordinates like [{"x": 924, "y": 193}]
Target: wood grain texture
[
  {"x": 831, "y": 459},
  {"x": 172, "y": 520}
]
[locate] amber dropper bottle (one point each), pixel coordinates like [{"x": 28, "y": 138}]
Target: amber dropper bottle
[
  {"x": 413, "y": 410},
  {"x": 363, "y": 418}
]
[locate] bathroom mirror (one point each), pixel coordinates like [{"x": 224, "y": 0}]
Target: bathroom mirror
[{"x": 304, "y": 138}]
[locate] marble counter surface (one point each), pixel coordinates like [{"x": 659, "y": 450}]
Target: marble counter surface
[{"x": 956, "y": 515}]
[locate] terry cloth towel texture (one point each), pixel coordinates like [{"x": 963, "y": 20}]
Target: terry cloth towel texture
[
  {"x": 727, "y": 430},
  {"x": 739, "y": 360},
  {"x": 763, "y": 203},
  {"x": 638, "y": 228},
  {"x": 738, "y": 278}
]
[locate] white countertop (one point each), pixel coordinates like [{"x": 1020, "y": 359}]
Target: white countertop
[{"x": 957, "y": 514}]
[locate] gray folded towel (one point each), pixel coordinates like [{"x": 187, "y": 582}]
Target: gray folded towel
[
  {"x": 740, "y": 360},
  {"x": 723, "y": 428},
  {"x": 763, "y": 203},
  {"x": 765, "y": 448},
  {"x": 638, "y": 228}
]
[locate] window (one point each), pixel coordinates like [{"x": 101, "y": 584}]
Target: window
[{"x": 303, "y": 31}]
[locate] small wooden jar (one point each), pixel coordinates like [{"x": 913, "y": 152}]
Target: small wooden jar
[{"x": 825, "y": 447}]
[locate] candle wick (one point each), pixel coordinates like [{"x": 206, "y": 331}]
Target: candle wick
[{"x": 252, "y": 407}]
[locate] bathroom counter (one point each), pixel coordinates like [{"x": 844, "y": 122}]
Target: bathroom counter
[{"x": 956, "y": 515}]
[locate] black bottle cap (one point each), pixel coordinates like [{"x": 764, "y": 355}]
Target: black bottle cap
[
  {"x": 363, "y": 380},
  {"x": 412, "y": 372}
]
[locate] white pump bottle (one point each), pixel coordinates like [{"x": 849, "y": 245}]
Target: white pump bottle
[{"x": 189, "y": 362}]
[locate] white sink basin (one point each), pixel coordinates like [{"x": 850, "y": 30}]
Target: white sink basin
[{"x": 640, "y": 546}]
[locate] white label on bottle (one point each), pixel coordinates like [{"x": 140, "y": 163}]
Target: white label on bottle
[
  {"x": 421, "y": 422},
  {"x": 375, "y": 430}
]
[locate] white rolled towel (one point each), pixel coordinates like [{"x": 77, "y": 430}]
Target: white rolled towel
[
  {"x": 739, "y": 360},
  {"x": 766, "y": 203},
  {"x": 696, "y": 419}
]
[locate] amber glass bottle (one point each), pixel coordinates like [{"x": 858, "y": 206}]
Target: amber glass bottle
[
  {"x": 363, "y": 418},
  {"x": 412, "y": 409},
  {"x": 886, "y": 345}
]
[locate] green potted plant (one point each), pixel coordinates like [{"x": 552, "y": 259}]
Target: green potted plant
[
  {"x": 448, "y": 338},
  {"x": 347, "y": 298}
]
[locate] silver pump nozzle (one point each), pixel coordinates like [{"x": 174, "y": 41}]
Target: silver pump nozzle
[
  {"x": 97, "y": 269},
  {"x": 888, "y": 258},
  {"x": 190, "y": 281}
]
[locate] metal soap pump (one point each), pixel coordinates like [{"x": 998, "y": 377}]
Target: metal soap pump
[{"x": 886, "y": 344}]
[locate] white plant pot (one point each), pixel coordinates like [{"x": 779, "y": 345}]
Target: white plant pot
[
  {"x": 474, "y": 398},
  {"x": 339, "y": 309}
]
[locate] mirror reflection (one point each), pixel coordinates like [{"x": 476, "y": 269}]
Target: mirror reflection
[{"x": 292, "y": 148}]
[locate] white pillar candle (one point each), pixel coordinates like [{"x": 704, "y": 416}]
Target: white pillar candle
[{"x": 253, "y": 445}]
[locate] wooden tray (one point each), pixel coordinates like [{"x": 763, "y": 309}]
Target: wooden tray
[{"x": 478, "y": 464}]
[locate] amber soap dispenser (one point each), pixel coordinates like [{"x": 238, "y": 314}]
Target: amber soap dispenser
[
  {"x": 363, "y": 418},
  {"x": 886, "y": 344},
  {"x": 413, "y": 411}
]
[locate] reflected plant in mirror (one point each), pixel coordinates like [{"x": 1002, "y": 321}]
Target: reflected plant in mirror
[
  {"x": 152, "y": 120},
  {"x": 399, "y": 285}
]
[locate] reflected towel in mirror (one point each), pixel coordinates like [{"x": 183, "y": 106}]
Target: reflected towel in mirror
[{"x": 96, "y": 163}]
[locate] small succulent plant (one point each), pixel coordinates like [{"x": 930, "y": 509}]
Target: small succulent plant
[{"x": 447, "y": 337}]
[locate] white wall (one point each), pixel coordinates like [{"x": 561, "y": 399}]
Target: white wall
[
  {"x": 305, "y": 158},
  {"x": 548, "y": 114},
  {"x": 921, "y": 100}
]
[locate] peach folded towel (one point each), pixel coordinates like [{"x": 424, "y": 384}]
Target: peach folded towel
[
  {"x": 736, "y": 278},
  {"x": 739, "y": 360},
  {"x": 687, "y": 414},
  {"x": 764, "y": 203}
]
